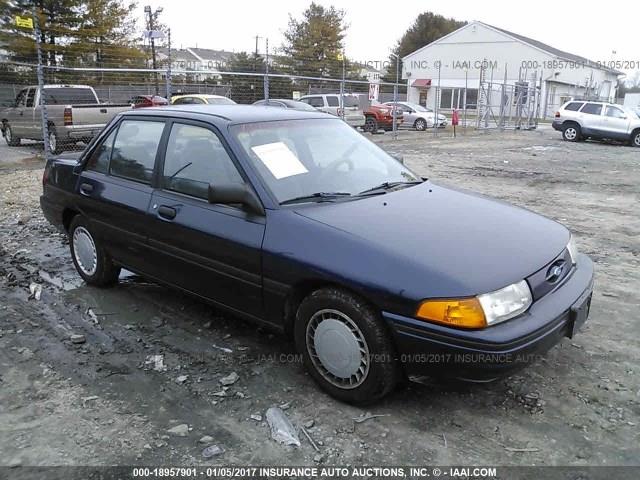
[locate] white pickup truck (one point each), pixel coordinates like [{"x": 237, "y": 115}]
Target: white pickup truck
[{"x": 74, "y": 114}]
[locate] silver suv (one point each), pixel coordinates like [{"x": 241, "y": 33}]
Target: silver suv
[
  {"x": 578, "y": 120},
  {"x": 330, "y": 103}
]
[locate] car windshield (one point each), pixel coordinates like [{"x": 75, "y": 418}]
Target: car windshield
[
  {"x": 325, "y": 157},
  {"x": 220, "y": 101}
]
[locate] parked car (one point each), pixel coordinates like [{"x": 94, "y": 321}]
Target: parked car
[
  {"x": 295, "y": 221},
  {"x": 330, "y": 103},
  {"x": 74, "y": 114},
  {"x": 579, "y": 120},
  {"x": 286, "y": 103},
  {"x": 379, "y": 115},
  {"x": 143, "y": 101},
  {"x": 419, "y": 117},
  {"x": 197, "y": 99}
]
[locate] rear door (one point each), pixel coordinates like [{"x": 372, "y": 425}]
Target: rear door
[
  {"x": 211, "y": 250},
  {"x": 115, "y": 188},
  {"x": 591, "y": 117},
  {"x": 18, "y": 120}
]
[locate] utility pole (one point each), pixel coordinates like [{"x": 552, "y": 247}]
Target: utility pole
[
  {"x": 255, "y": 66},
  {"x": 151, "y": 17}
]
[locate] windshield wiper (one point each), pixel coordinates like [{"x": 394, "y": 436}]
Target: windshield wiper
[
  {"x": 318, "y": 196},
  {"x": 383, "y": 187}
]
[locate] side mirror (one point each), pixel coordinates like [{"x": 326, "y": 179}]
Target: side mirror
[{"x": 235, "y": 193}]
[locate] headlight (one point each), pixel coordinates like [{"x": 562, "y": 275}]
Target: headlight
[
  {"x": 573, "y": 250},
  {"x": 481, "y": 311},
  {"x": 384, "y": 111}
]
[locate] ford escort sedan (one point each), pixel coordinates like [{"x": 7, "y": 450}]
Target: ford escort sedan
[{"x": 295, "y": 220}]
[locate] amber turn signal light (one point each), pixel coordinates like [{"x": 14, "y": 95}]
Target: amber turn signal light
[{"x": 454, "y": 312}]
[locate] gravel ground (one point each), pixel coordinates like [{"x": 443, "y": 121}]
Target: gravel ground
[{"x": 103, "y": 400}]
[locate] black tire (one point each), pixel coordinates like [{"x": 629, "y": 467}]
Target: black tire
[
  {"x": 571, "y": 132},
  {"x": 11, "y": 140},
  {"x": 381, "y": 372},
  {"x": 103, "y": 272},
  {"x": 370, "y": 125},
  {"x": 420, "y": 124},
  {"x": 635, "y": 139}
]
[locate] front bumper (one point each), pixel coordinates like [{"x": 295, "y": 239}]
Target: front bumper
[{"x": 480, "y": 355}]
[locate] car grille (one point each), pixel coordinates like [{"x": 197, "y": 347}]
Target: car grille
[{"x": 550, "y": 276}]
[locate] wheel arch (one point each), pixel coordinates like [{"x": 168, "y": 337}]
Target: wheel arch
[
  {"x": 303, "y": 289},
  {"x": 68, "y": 214}
]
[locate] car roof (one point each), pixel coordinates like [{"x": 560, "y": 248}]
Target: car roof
[
  {"x": 228, "y": 113},
  {"x": 197, "y": 95}
]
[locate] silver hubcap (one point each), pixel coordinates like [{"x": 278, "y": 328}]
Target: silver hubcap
[
  {"x": 52, "y": 142},
  {"x": 637, "y": 140},
  {"x": 420, "y": 125},
  {"x": 7, "y": 135},
  {"x": 84, "y": 251},
  {"x": 570, "y": 133},
  {"x": 338, "y": 349}
]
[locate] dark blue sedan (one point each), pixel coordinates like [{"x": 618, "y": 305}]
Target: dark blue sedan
[{"x": 295, "y": 220}]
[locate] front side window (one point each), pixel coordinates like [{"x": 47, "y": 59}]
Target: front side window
[
  {"x": 99, "y": 161},
  {"x": 30, "y": 97},
  {"x": 297, "y": 158},
  {"x": 195, "y": 159},
  {"x": 135, "y": 148},
  {"x": 615, "y": 112},
  {"x": 20, "y": 98},
  {"x": 592, "y": 109}
]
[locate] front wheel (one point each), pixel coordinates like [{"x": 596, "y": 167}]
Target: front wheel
[
  {"x": 345, "y": 346},
  {"x": 9, "y": 137},
  {"x": 421, "y": 124},
  {"x": 89, "y": 256},
  {"x": 571, "y": 133},
  {"x": 635, "y": 139}
]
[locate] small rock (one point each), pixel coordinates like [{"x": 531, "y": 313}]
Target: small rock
[
  {"x": 282, "y": 430},
  {"x": 318, "y": 458},
  {"x": 77, "y": 338},
  {"x": 229, "y": 379},
  {"x": 206, "y": 439},
  {"x": 35, "y": 291},
  {"x": 181, "y": 430},
  {"x": 256, "y": 416},
  {"x": 285, "y": 406},
  {"x": 181, "y": 379},
  {"x": 212, "y": 451},
  {"x": 309, "y": 423}
]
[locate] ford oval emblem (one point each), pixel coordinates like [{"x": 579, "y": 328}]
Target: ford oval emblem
[{"x": 554, "y": 272}]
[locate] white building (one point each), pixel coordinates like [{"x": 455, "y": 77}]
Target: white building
[{"x": 460, "y": 55}]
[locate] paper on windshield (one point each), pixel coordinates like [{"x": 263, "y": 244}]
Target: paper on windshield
[{"x": 279, "y": 159}]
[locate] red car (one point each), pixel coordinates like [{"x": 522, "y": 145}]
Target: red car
[
  {"x": 140, "y": 101},
  {"x": 379, "y": 116}
]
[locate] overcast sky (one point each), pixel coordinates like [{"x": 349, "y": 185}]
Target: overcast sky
[{"x": 374, "y": 27}]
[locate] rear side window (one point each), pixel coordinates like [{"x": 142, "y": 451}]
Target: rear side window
[
  {"x": 573, "y": 106},
  {"x": 195, "y": 159},
  {"x": 333, "y": 101},
  {"x": 592, "y": 109},
  {"x": 99, "y": 161},
  {"x": 20, "y": 98},
  {"x": 134, "y": 150}
]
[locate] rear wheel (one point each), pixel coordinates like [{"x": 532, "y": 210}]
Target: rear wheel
[
  {"x": 9, "y": 137},
  {"x": 635, "y": 138},
  {"x": 345, "y": 346},
  {"x": 89, "y": 256},
  {"x": 371, "y": 125},
  {"x": 55, "y": 145},
  {"x": 571, "y": 133},
  {"x": 420, "y": 124}
]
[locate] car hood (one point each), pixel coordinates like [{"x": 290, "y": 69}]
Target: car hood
[{"x": 463, "y": 243}]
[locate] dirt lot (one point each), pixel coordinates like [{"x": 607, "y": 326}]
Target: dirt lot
[{"x": 103, "y": 402}]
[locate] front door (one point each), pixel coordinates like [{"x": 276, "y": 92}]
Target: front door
[
  {"x": 615, "y": 122},
  {"x": 209, "y": 249}
]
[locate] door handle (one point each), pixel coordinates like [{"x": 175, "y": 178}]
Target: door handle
[
  {"x": 86, "y": 188},
  {"x": 167, "y": 212}
]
